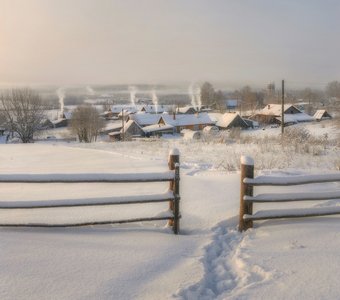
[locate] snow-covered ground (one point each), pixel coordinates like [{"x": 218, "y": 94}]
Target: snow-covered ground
[{"x": 210, "y": 259}]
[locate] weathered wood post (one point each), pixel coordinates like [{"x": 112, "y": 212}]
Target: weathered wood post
[
  {"x": 247, "y": 171},
  {"x": 174, "y": 186}
]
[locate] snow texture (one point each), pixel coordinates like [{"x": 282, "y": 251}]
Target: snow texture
[
  {"x": 210, "y": 259},
  {"x": 247, "y": 160},
  {"x": 293, "y": 180}
]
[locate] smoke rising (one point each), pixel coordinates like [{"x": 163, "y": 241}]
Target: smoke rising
[
  {"x": 154, "y": 100},
  {"x": 133, "y": 91},
  {"x": 61, "y": 95}
]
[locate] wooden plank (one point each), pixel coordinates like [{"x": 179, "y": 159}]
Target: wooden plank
[
  {"x": 292, "y": 180},
  {"x": 86, "y": 178},
  {"x": 293, "y": 213},
  {"x": 288, "y": 197},
  {"x": 86, "y": 223},
  {"x": 35, "y": 204}
]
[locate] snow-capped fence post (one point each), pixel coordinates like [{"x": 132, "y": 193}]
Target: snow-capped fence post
[
  {"x": 246, "y": 208},
  {"x": 173, "y": 164}
]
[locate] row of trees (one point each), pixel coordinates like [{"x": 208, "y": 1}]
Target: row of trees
[
  {"x": 249, "y": 99},
  {"x": 23, "y": 113}
]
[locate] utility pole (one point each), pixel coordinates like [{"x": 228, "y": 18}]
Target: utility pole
[
  {"x": 123, "y": 133},
  {"x": 282, "y": 108}
]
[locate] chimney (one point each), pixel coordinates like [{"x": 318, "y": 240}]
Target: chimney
[
  {"x": 268, "y": 106},
  {"x": 174, "y": 116}
]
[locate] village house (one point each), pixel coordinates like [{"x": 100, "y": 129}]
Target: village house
[
  {"x": 193, "y": 122},
  {"x": 271, "y": 114},
  {"x": 130, "y": 130},
  {"x": 157, "y": 125},
  {"x": 144, "y": 119},
  {"x": 230, "y": 120}
]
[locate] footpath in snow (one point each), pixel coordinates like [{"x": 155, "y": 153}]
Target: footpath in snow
[{"x": 210, "y": 259}]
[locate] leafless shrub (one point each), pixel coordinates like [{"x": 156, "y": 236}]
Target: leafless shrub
[
  {"x": 86, "y": 123},
  {"x": 235, "y": 133}
]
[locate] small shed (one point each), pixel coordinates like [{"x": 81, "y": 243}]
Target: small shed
[{"x": 322, "y": 114}]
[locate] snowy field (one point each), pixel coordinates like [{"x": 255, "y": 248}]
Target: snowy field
[{"x": 210, "y": 259}]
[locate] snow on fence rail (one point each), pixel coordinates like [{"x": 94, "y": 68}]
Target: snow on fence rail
[
  {"x": 172, "y": 195},
  {"x": 246, "y": 216}
]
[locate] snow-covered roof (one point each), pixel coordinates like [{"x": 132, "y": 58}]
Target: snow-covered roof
[
  {"x": 157, "y": 127},
  {"x": 67, "y": 114},
  {"x": 295, "y": 118},
  {"x": 215, "y": 116},
  {"x": 185, "y": 120},
  {"x": 144, "y": 119},
  {"x": 59, "y": 121},
  {"x": 227, "y": 119},
  {"x": 118, "y": 108},
  {"x": 320, "y": 114},
  {"x": 185, "y": 109},
  {"x": 155, "y": 109},
  {"x": 275, "y": 109},
  {"x": 113, "y": 126},
  {"x": 128, "y": 124}
]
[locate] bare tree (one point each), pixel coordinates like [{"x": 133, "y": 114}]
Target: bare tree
[
  {"x": 207, "y": 94},
  {"x": 22, "y": 112},
  {"x": 86, "y": 123},
  {"x": 211, "y": 98}
]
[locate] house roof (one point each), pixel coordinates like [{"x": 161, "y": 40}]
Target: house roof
[
  {"x": 113, "y": 126},
  {"x": 118, "y": 108},
  {"x": 275, "y": 109},
  {"x": 228, "y": 118},
  {"x": 155, "y": 109},
  {"x": 128, "y": 124},
  {"x": 321, "y": 113},
  {"x": 186, "y": 120},
  {"x": 144, "y": 119},
  {"x": 295, "y": 118},
  {"x": 157, "y": 127},
  {"x": 185, "y": 109}
]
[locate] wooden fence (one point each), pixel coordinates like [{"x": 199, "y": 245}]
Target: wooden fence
[
  {"x": 172, "y": 195},
  {"x": 247, "y": 198}
]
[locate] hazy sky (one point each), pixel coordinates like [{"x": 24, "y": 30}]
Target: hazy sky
[{"x": 159, "y": 41}]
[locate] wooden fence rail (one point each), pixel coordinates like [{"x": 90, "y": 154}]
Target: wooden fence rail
[
  {"x": 247, "y": 199},
  {"x": 172, "y": 195}
]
